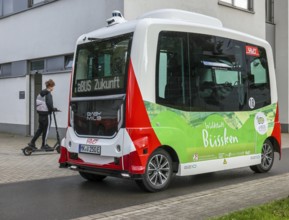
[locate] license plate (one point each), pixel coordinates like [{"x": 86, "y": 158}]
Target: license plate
[{"x": 90, "y": 149}]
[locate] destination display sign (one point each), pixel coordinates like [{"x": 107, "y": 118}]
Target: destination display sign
[
  {"x": 99, "y": 84},
  {"x": 252, "y": 51}
]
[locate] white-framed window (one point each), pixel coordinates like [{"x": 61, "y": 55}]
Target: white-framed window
[
  {"x": 240, "y": 4},
  {"x": 52, "y": 64},
  {"x": 37, "y": 1},
  {"x": 5, "y": 70},
  {"x": 68, "y": 62},
  {"x": 37, "y": 66},
  {"x": 10, "y": 7}
]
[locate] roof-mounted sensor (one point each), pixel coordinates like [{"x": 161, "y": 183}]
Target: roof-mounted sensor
[{"x": 116, "y": 18}]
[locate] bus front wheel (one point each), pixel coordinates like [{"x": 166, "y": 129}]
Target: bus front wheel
[
  {"x": 158, "y": 172},
  {"x": 267, "y": 158}
]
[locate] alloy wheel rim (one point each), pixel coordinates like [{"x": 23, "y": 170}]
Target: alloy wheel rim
[
  {"x": 158, "y": 170},
  {"x": 267, "y": 156}
]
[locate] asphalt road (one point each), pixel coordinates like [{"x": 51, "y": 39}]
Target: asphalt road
[{"x": 72, "y": 197}]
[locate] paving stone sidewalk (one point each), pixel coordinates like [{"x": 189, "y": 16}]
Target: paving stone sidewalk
[{"x": 15, "y": 167}]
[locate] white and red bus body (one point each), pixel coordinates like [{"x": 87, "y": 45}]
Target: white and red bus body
[{"x": 125, "y": 121}]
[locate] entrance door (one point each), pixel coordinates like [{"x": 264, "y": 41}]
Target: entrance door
[{"x": 35, "y": 88}]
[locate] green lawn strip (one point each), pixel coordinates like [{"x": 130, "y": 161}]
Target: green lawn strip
[{"x": 277, "y": 210}]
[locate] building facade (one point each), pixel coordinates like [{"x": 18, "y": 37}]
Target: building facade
[
  {"x": 277, "y": 34},
  {"x": 37, "y": 42}
]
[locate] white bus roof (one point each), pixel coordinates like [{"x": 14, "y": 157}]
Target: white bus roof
[{"x": 180, "y": 15}]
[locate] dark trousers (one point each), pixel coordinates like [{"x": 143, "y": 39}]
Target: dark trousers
[{"x": 43, "y": 128}]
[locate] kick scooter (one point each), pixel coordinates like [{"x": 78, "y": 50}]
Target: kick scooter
[{"x": 27, "y": 151}]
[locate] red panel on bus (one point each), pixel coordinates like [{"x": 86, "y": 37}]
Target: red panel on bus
[
  {"x": 252, "y": 51},
  {"x": 136, "y": 114},
  {"x": 138, "y": 126},
  {"x": 277, "y": 130}
]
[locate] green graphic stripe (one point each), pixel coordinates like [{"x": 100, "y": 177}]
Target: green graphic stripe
[{"x": 200, "y": 136}]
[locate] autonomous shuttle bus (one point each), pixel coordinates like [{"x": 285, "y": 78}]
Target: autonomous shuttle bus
[{"x": 172, "y": 92}]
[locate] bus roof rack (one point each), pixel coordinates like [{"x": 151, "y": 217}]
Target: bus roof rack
[{"x": 182, "y": 15}]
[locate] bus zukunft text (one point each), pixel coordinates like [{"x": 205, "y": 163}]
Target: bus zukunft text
[{"x": 172, "y": 92}]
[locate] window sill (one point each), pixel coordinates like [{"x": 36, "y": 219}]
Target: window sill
[
  {"x": 57, "y": 72},
  {"x": 10, "y": 76},
  {"x": 269, "y": 22}
]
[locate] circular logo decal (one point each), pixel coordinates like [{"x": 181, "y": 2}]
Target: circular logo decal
[
  {"x": 252, "y": 102},
  {"x": 261, "y": 124}
]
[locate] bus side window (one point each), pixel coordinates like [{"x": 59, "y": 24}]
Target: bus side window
[
  {"x": 217, "y": 65},
  {"x": 173, "y": 89},
  {"x": 206, "y": 84},
  {"x": 258, "y": 72},
  {"x": 169, "y": 86},
  {"x": 162, "y": 76},
  {"x": 259, "y": 85},
  {"x": 171, "y": 72},
  {"x": 207, "y": 96}
]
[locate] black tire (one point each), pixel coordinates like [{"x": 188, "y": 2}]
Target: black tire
[
  {"x": 267, "y": 158},
  {"x": 27, "y": 151},
  {"x": 158, "y": 174},
  {"x": 92, "y": 177}
]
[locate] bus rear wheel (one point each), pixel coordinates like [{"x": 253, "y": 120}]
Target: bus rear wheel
[
  {"x": 158, "y": 172},
  {"x": 267, "y": 158},
  {"x": 91, "y": 177}
]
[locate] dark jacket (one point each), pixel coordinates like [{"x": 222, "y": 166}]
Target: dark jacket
[{"x": 48, "y": 100}]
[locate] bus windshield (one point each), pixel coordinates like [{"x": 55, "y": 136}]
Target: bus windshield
[{"x": 100, "y": 67}]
